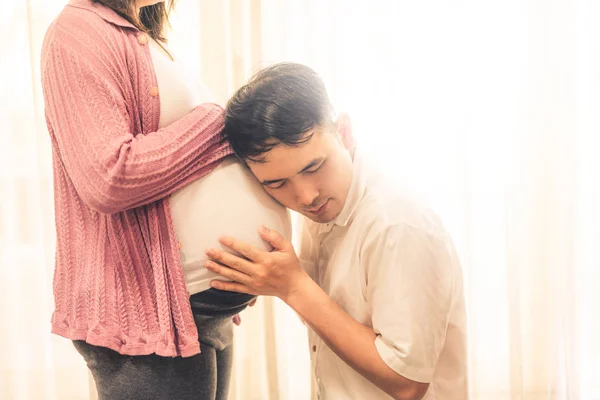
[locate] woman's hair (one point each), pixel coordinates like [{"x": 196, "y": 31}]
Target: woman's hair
[{"x": 152, "y": 19}]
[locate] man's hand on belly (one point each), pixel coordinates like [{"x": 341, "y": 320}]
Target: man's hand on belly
[{"x": 276, "y": 273}]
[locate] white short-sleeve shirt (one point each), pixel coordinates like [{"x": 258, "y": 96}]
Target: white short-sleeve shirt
[
  {"x": 389, "y": 263},
  {"x": 227, "y": 201}
]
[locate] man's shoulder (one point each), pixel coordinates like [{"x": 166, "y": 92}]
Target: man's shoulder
[{"x": 388, "y": 207}]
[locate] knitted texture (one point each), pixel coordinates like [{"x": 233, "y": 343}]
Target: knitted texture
[{"x": 118, "y": 280}]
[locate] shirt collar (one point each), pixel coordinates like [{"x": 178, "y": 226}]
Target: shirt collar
[
  {"x": 356, "y": 191},
  {"x": 103, "y": 12}
]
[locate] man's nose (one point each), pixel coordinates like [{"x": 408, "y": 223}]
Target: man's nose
[{"x": 307, "y": 194}]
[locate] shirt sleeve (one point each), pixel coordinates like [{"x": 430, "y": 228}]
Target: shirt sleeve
[{"x": 409, "y": 292}]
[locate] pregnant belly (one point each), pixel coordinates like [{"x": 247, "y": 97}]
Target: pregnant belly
[{"x": 228, "y": 201}]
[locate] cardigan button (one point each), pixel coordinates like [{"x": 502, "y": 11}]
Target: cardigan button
[
  {"x": 154, "y": 91},
  {"x": 143, "y": 39}
]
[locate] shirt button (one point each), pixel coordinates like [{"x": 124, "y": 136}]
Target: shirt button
[
  {"x": 143, "y": 39},
  {"x": 154, "y": 91},
  {"x": 179, "y": 246},
  {"x": 314, "y": 348}
]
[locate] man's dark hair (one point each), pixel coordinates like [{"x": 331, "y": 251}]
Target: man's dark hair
[{"x": 279, "y": 105}]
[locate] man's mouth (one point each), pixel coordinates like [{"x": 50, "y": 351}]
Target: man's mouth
[{"x": 319, "y": 209}]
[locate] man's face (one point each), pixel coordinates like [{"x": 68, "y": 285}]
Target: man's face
[{"x": 312, "y": 178}]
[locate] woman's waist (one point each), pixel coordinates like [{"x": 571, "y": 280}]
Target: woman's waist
[{"x": 213, "y": 302}]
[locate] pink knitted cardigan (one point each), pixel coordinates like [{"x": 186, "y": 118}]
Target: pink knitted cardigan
[{"x": 118, "y": 280}]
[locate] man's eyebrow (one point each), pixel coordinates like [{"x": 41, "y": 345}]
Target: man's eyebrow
[{"x": 307, "y": 167}]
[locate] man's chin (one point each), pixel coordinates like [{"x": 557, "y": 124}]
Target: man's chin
[{"x": 321, "y": 219}]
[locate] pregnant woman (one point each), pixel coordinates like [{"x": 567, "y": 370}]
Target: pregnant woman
[{"x": 144, "y": 183}]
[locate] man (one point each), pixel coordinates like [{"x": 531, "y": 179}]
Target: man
[{"x": 377, "y": 279}]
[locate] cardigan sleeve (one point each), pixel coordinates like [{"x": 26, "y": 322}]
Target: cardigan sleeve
[{"x": 89, "y": 116}]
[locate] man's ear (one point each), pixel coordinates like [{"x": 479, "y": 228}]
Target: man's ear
[{"x": 344, "y": 128}]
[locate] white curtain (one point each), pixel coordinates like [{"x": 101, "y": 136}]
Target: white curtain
[
  {"x": 490, "y": 110},
  {"x": 33, "y": 364}
]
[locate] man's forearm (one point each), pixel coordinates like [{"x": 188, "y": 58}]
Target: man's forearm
[{"x": 352, "y": 341}]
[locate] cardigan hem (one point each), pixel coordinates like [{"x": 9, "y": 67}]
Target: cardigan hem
[{"x": 131, "y": 346}]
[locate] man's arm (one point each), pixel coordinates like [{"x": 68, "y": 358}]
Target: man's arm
[
  {"x": 352, "y": 341},
  {"x": 279, "y": 274}
]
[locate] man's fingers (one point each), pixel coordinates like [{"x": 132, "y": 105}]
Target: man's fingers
[
  {"x": 274, "y": 238},
  {"x": 228, "y": 273},
  {"x": 232, "y": 287},
  {"x": 230, "y": 260},
  {"x": 248, "y": 251}
]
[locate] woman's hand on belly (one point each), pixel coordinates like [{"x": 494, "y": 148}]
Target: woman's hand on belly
[{"x": 276, "y": 273}]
